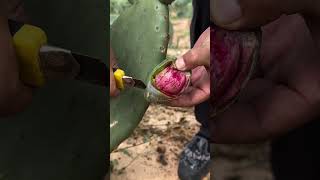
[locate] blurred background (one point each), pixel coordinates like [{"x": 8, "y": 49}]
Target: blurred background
[{"x": 241, "y": 162}]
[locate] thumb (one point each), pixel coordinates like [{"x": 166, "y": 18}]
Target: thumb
[
  {"x": 238, "y": 14},
  {"x": 197, "y": 56}
]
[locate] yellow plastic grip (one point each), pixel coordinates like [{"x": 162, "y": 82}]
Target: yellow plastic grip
[
  {"x": 27, "y": 42},
  {"x": 118, "y": 75}
]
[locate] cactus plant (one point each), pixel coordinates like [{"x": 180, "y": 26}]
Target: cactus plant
[
  {"x": 118, "y": 6},
  {"x": 233, "y": 58},
  {"x": 181, "y": 3},
  {"x": 183, "y": 8},
  {"x": 113, "y": 17},
  {"x": 139, "y": 38}
]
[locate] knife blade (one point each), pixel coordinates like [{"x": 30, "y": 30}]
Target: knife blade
[
  {"x": 132, "y": 82},
  {"x": 57, "y": 63},
  {"x": 40, "y": 62},
  {"x": 127, "y": 81}
]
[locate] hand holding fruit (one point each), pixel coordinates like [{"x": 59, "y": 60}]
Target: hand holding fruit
[
  {"x": 198, "y": 61},
  {"x": 284, "y": 93}
]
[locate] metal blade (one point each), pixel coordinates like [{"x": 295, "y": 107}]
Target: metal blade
[
  {"x": 92, "y": 70},
  {"x": 139, "y": 84},
  {"x": 57, "y": 63},
  {"x": 132, "y": 82}
]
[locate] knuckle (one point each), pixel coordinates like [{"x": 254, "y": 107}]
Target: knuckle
[{"x": 194, "y": 56}]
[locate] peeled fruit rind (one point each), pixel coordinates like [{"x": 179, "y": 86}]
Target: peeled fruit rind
[
  {"x": 233, "y": 58},
  {"x": 166, "y": 82}
]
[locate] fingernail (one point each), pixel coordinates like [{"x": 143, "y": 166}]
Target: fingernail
[
  {"x": 180, "y": 64},
  {"x": 226, "y": 11}
]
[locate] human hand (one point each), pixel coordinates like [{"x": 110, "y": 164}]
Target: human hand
[
  {"x": 16, "y": 10},
  {"x": 198, "y": 60},
  {"x": 238, "y": 14},
  {"x": 114, "y": 91},
  {"x": 285, "y": 92},
  {"x": 14, "y": 95}
]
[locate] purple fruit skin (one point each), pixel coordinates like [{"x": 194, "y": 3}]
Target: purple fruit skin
[
  {"x": 170, "y": 81},
  {"x": 233, "y": 54}
]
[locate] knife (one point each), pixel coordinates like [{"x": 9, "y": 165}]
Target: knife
[
  {"x": 40, "y": 62},
  {"x": 123, "y": 81}
]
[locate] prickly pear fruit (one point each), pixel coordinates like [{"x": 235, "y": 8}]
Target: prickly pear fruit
[
  {"x": 233, "y": 58},
  {"x": 170, "y": 81},
  {"x": 139, "y": 38},
  {"x": 166, "y": 82}
]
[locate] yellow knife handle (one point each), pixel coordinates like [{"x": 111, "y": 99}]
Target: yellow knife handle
[
  {"x": 118, "y": 75},
  {"x": 28, "y": 40}
]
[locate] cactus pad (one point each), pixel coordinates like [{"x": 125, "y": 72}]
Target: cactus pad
[{"x": 139, "y": 38}]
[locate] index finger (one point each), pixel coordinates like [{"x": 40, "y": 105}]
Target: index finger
[{"x": 190, "y": 98}]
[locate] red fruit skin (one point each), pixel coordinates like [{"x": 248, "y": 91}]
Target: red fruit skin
[
  {"x": 224, "y": 54},
  {"x": 170, "y": 81},
  {"x": 233, "y": 54}
]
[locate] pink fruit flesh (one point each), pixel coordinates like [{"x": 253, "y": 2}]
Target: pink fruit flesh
[
  {"x": 225, "y": 51},
  {"x": 231, "y": 61},
  {"x": 170, "y": 81}
]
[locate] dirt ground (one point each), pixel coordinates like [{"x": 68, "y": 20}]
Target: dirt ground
[
  {"x": 241, "y": 162},
  {"x": 152, "y": 152}
]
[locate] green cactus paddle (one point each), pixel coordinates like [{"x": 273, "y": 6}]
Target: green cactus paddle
[{"x": 139, "y": 38}]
